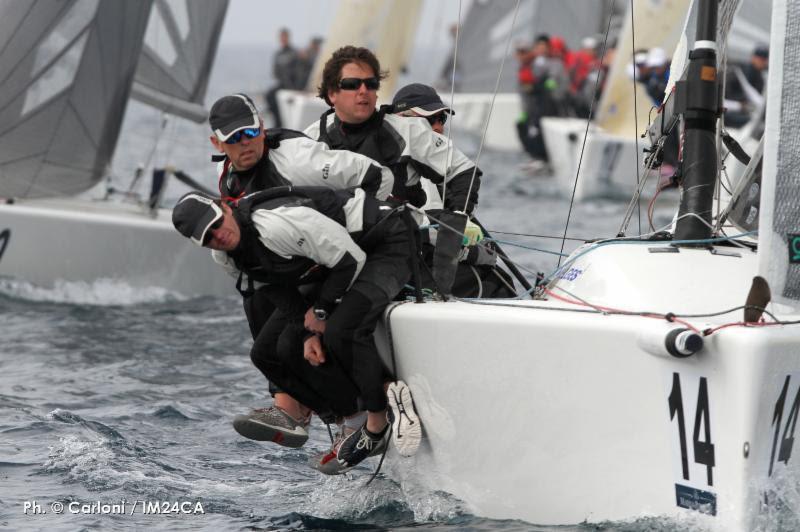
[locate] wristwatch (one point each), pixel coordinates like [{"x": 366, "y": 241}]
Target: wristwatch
[{"x": 321, "y": 314}]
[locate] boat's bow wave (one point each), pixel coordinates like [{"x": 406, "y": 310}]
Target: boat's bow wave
[{"x": 102, "y": 292}]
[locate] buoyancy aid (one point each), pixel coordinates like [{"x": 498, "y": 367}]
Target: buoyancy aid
[
  {"x": 260, "y": 264},
  {"x": 376, "y": 140}
]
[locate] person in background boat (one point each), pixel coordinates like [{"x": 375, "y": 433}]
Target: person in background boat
[
  {"x": 535, "y": 87},
  {"x": 410, "y": 148},
  {"x": 745, "y": 88},
  {"x": 305, "y": 62},
  {"x": 255, "y": 159},
  {"x": 478, "y": 274},
  {"x": 446, "y": 81},
  {"x": 285, "y": 73},
  {"x": 583, "y": 72},
  {"x": 322, "y": 352},
  {"x": 654, "y": 75}
]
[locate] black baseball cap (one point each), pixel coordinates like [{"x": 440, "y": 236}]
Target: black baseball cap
[
  {"x": 194, "y": 214},
  {"x": 231, "y": 113},
  {"x": 422, "y": 99},
  {"x": 762, "y": 50}
]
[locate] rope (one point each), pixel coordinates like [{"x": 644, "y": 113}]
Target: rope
[
  {"x": 586, "y": 132},
  {"x": 449, "y": 157},
  {"x": 491, "y": 106}
]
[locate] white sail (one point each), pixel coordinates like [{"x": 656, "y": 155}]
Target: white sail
[
  {"x": 654, "y": 24},
  {"x": 179, "y": 48},
  {"x": 65, "y": 75},
  {"x": 386, "y": 27},
  {"x": 779, "y": 223}
]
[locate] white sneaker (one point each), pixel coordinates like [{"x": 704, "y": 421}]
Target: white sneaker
[{"x": 406, "y": 428}]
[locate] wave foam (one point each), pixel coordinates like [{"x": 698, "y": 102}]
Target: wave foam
[{"x": 101, "y": 292}]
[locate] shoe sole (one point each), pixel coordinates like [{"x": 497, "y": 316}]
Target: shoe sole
[
  {"x": 406, "y": 428},
  {"x": 257, "y": 431},
  {"x": 327, "y": 464}
]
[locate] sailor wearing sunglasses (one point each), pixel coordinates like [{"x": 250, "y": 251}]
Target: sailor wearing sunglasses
[
  {"x": 410, "y": 148},
  {"x": 255, "y": 159}
]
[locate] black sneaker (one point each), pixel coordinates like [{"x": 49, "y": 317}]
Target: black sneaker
[
  {"x": 272, "y": 424},
  {"x": 326, "y": 462},
  {"x": 360, "y": 445}
]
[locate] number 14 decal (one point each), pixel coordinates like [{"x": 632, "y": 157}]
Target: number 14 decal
[
  {"x": 787, "y": 441},
  {"x": 703, "y": 450}
]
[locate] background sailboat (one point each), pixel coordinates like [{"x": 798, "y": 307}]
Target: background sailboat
[{"x": 69, "y": 69}]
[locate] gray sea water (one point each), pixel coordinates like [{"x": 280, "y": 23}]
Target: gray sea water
[{"x": 116, "y": 404}]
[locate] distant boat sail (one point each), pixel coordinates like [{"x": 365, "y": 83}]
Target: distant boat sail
[{"x": 65, "y": 82}]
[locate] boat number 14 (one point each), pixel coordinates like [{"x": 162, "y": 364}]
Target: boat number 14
[
  {"x": 787, "y": 440},
  {"x": 702, "y": 448}
]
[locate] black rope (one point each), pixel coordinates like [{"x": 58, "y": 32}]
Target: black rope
[{"x": 586, "y": 133}]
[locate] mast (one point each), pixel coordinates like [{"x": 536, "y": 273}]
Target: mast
[{"x": 700, "y": 114}]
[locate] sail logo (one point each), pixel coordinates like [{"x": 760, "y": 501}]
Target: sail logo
[
  {"x": 5, "y": 236},
  {"x": 794, "y": 249}
]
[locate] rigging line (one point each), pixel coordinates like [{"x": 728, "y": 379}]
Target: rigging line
[
  {"x": 635, "y": 114},
  {"x": 448, "y": 160},
  {"x": 626, "y": 219},
  {"x": 586, "y": 132},
  {"x": 536, "y": 236},
  {"x": 491, "y": 105}
]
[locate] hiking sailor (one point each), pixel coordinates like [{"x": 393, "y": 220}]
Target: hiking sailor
[
  {"x": 477, "y": 274},
  {"x": 410, "y": 148},
  {"x": 278, "y": 236},
  {"x": 255, "y": 159}
]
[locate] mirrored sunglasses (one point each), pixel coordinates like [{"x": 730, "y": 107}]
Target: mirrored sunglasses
[
  {"x": 250, "y": 133},
  {"x": 438, "y": 117},
  {"x": 353, "y": 84}
]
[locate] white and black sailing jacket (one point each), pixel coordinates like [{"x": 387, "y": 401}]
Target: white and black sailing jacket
[
  {"x": 288, "y": 231},
  {"x": 411, "y": 149},
  {"x": 291, "y": 158}
]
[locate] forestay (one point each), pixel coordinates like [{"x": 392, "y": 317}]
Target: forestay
[
  {"x": 179, "y": 48},
  {"x": 779, "y": 224},
  {"x": 65, "y": 75}
]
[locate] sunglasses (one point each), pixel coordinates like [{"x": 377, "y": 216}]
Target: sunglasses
[
  {"x": 208, "y": 236},
  {"x": 353, "y": 84},
  {"x": 250, "y": 133},
  {"x": 438, "y": 117}
]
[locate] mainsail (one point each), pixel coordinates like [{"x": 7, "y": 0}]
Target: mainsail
[
  {"x": 779, "y": 223},
  {"x": 65, "y": 74},
  {"x": 179, "y": 48},
  {"x": 386, "y": 27}
]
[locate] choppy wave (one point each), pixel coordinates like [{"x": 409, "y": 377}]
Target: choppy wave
[{"x": 101, "y": 292}]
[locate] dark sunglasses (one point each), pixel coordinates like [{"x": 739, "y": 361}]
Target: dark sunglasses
[
  {"x": 208, "y": 236},
  {"x": 353, "y": 84},
  {"x": 250, "y": 133},
  {"x": 438, "y": 117}
]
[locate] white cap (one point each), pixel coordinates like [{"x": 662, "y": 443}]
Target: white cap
[{"x": 656, "y": 57}]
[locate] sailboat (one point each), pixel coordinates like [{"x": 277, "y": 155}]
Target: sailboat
[
  {"x": 68, "y": 71},
  {"x": 655, "y": 375}
]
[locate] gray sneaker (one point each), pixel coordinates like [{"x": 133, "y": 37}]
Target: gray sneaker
[
  {"x": 326, "y": 462},
  {"x": 272, "y": 424},
  {"x": 406, "y": 428}
]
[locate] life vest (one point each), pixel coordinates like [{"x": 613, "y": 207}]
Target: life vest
[
  {"x": 373, "y": 138},
  {"x": 260, "y": 264}
]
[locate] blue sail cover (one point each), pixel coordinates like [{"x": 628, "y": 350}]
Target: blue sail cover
[
  {"x": 779, "y": 220},
  {"x": 66, "y": 70}
]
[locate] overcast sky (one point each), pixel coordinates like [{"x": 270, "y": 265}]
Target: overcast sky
[{"x": 256, "y": 22}]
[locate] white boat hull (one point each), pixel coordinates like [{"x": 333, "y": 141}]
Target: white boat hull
[
  {"x": 46, "y": 241},
  {"x": 561, "y": 416}
]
